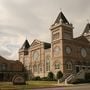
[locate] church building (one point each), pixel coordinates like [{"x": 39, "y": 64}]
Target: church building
[{"x": 65, "y": 53}]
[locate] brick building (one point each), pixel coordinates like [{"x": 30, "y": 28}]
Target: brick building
[
  {"x": 9, "y": 68},
  {"x": 65, "y": 53}
]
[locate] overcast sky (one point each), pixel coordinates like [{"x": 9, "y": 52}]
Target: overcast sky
[{"x": 32, "y": 19}]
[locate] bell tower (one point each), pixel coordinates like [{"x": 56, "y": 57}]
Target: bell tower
[{"x": 61, "y": 30}]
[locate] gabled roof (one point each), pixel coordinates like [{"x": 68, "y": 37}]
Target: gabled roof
[
  {"x": 81, "y": 39},
  {"x": 35, "y": 42},
  {"x": 26, "y": 45},
  {"x": 87, "y": 28},
  {"x": 2, "y": 58},
  {"x": 61, "y": 18},
  {"x": 46, "y": 45},
  {"x": 6, "y": 60}
]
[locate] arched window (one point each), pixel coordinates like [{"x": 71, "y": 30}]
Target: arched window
[
  {"x": 57, "y": 65},
  {"x": 3, "y": 67},
  {"x": 35, "y": 68},
  {"x": 69, "y": 65},
  {"x": 26, "y": 63},
  {"x": 36, "y": 55},
  {"x": 48, "y": 63},
  {"x": 56, "y": 51},
  {"x": 40, "y": 68}
]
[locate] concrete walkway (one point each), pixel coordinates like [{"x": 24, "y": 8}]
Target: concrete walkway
[{"x": 67, "y": 87}]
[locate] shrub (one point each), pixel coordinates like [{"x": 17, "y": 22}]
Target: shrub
[
  {"x": 59, "y": 75},
  {"x": 50, "y": 76},
  {"x": 36, "y": 78},
  {"x": 44, "y": 79}
]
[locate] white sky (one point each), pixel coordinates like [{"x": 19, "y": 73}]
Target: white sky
[{"x": 32, "y": 18}]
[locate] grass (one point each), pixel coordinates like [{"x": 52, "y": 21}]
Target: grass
[
  {"x": 29, "y": 85},
  {"x": 39, "y": 84}
]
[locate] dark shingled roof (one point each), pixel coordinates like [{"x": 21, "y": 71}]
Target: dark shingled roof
[
  {"x": 6, "y": 60},
  {"x": 47, "y": 45},
  {"x": 61, "y": 18},
  {"x": 26, "y": 45},
  {"x": 2, "y": 58},
  {"x": 87, "y": 28},
  {"x": 81, "y": 39}
]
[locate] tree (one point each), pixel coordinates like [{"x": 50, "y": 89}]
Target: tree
[
  {"x": 59, "y": 76},
  {"x": 50, "y": 76}
]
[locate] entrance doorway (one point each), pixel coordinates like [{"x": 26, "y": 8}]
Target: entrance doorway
[{"x": 77, "y": 69}]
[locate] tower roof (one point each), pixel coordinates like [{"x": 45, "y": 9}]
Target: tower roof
[
  {"x": 26, "y": 45},
  {"x": 87, "y": 29},
  {"x": 61, "y": 18}
]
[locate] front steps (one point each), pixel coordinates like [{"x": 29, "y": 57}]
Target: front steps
[{"x": 71, "y": 78}]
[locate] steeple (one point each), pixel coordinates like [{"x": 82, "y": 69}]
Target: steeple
[
  {"x": 86, "y": 32},
  {"x": 61, "y": 18},
  {"x": 87, "y": 29},
  {"x": 26, "y": 45},
  {"x": 61, "y": 29}
]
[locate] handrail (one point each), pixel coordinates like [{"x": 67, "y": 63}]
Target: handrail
[
  {"x": 79, "y": 72},
  {"x": 69, "y": 78},
  {"x": 73, "y": 76}
]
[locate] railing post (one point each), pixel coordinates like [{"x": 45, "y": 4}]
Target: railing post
[{"x": 65, "y": 81}]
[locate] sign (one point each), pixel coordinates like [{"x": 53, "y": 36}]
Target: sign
[{"x": 18, "y": 80}]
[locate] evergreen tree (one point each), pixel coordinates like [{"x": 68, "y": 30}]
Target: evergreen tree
[
  {"x": 59, "y": 75},
  {"x": 50, "y": 76}
]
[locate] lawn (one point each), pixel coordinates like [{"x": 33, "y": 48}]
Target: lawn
[{"x": 29, "y": 85}]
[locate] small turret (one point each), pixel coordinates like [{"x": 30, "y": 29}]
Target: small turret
[
  {"x": 23, "y": 51},
  {"x": 86, "y": 32},
  {"x": 26, "y": 45}
]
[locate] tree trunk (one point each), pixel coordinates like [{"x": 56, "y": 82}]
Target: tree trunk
[{"x": 58, "y": 81}]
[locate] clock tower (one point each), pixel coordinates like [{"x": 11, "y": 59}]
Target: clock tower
[{"x": 61, "y": 31}]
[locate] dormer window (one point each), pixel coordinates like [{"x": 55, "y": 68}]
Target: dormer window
[{"x": 61, "y": 20}]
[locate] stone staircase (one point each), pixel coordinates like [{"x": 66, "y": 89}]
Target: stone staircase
[
  {"x": 73, "y": 77},
  {"x": 64, "y": 77}
]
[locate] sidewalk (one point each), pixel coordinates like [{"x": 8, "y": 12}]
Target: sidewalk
[
  {"x": 56, "y": 86},
  {"x": 63, "y": 85},
  {"x": 70, "y": 85}
]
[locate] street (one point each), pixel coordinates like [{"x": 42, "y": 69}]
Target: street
[{"x": 76, "y": 87}]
